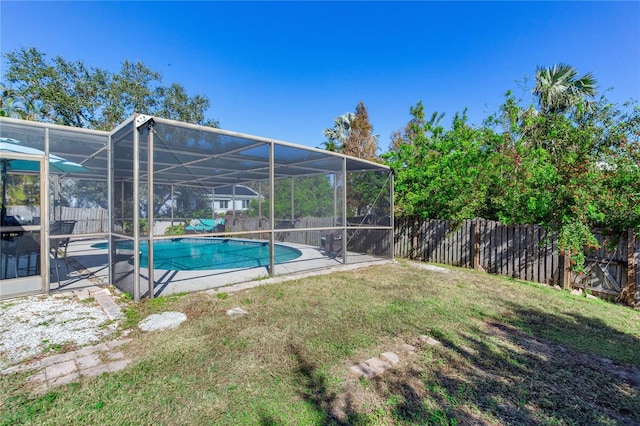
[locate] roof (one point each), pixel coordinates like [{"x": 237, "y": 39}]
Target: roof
[{"x": 183, "y": 154}]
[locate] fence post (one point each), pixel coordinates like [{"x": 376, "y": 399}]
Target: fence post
[
  {"x": 475, "y": 245},
  {"x": 414, "y": 239},
  {"x": 566, "y": 273},
  {"x": 631, "y": 269}
]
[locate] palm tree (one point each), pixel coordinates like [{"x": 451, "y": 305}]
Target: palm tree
[
  {"x": 338, "y": 134},
  {"x": 558, "y": 88}
]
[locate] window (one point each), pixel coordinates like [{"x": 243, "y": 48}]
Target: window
[
  {"x": 224, "y": 204},
  {"x": 245, "y": 204}
]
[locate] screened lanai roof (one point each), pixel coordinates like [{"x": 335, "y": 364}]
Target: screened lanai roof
[
  {"x": 184, "y": 154},
  {"x": 206, "y": 157}
]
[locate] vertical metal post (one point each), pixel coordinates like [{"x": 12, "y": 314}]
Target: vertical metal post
[
  {"x": 44, "y": 217},
  {"x": 259, "y": 204},
  {"x": 172, "y": 205},
  {"x": 335, "y": 198},
  {"x": 151, "y": 279},
  {"x": 57, "y": 206},
  {"x": 272, "y": 209},
  {"x": 213, "y": 203},
  {"x": 122, "y": 201},
  {"x": 344, "y": 211},
  {"x": 233, "y": 202},
  {"x": 292, "y": 201},
  {"x": 136, "y": 213},
  {"x": 392, "y": 215},
  {"x": 110, "y": 191}
]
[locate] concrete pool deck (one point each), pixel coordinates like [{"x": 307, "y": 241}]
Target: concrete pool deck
[{"x": 88, "y": 266}]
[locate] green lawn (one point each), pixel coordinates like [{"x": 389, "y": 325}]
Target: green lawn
[{"x": 510, "y": 353}]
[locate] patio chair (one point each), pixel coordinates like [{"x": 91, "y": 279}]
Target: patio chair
[
  {"x": 331, "y": 244},
  {"x": 23, "y": 246},
  {"x": 61, "y": 244}
]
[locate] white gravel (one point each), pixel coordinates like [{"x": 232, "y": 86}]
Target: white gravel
[{"x": 29, "y": 326}]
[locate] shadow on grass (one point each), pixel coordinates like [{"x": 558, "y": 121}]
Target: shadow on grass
[
  {"x": 580, "y": 332},
  {"x": 495, "y": 373},
  {"x": 315, "y": 392},
  {"x": 537, "y": 376}
]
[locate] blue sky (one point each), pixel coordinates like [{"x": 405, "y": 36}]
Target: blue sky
[{"x": 285, "y": 70}]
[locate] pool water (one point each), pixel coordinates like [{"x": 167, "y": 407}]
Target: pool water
[{"x": 199, "y": 254}]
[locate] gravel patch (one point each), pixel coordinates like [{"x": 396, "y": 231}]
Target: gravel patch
[{"x": 32, "y": 325}]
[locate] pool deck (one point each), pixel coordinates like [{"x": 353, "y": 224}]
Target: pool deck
[{"x": 88, "y": 267}]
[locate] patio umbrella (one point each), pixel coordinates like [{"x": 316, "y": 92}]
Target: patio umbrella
[{"x": 56, "y": 165}]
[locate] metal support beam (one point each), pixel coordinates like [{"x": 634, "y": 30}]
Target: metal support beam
[
  {"x": 272, "y": 214},
  {"x": 45, "y": 242},
  {"x": 151, "y": 279},
  {"x": 136, "y": 215},
  {"x": 344, "y": 211}
]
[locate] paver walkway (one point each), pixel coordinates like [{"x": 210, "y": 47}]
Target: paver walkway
[
  {"x": 64, "y": 368},
  {"x": 377, "y": 366}
]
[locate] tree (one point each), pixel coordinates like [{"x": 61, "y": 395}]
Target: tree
[
  {"x": 558, "y": 88},
  {"x": 571, "y": 169},
  {"x": 441, "y": 174},
  {"x": 360, "y": 141},
  {"x": 73, "y": 94},
  {"x": 338, "y": 134},
  {"x": 352, "y": 134}
]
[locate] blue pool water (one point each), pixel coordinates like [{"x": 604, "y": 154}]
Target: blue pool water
[{"x": 198, "y": 254}]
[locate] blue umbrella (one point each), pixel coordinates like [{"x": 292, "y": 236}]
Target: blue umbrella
[{"x": 56, "y": 165}]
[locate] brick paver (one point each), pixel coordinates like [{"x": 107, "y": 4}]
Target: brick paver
[
  {"x": 89, "y": 361},
  {"x": 65, "y": 368},
  {"x": 60, "y": 369}
]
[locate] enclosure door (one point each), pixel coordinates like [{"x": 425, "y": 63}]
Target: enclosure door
[{"x": 22, "y": 249}]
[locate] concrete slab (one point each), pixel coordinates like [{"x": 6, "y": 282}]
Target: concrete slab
[
  {"x": 118, "y": 365},
  {"x": 163, "y": 321},
  {"x": 95, "y": 371},
  {"x": 236, "y": 312},
  {"x": 38, "y": 377},
  {"x": 67, "y": 378},
  {"x": 60, "y": 369},
  {"x": 21, "y": 368},
  {"x": 429, "y": 340},
  {"x": 378, "y": 364},
  {"x": 88, "y": 361},
  {"x": 82, "y": 294},
  {"x": 103, "y": 297},
  {"x": 408, "y": 348},
  {"x": 88, "y": 350},
  {"x": 364, "y": 370},
  {"x": 56, "y": 359},
  {"x": 390, "y": 358},
  {"x": 114, "y": 355}
]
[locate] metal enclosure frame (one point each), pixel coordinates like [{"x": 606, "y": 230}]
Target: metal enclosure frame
[{"x": 145, "y": 153}]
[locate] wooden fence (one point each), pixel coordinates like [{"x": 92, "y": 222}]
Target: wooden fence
[
  {"x": 526, "y": 252},
  {"x": 88, "y": 221}
]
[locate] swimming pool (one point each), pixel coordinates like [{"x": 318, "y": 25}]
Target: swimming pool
[{"x": 199, "y": 254}]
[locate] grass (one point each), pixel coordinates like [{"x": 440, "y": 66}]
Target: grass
[{"x": 510, "y": 353}]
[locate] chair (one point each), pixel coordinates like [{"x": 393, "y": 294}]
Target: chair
[
  {"x": 331, "y": 244},
  {"x": 61, "y": 244},
  {"x": 23, "y": 245}
]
